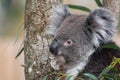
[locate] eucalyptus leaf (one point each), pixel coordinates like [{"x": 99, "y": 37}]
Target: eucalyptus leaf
[
  {"x": 98, "y": 2},
  {"x": 83, "y": 8},
  {"x": 91, "y": 76},
  {"x": 68, "y": 77},
  {"x": 111, "y": 46},
  {"x": 107, "y": 69},
  {"x": 45, "y": 77},
  {"x": 108, "y": 77},
  {"x": 19, "y": 31},
  {"x": 19, "y": 52}
]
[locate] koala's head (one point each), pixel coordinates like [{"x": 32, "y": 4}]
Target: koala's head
[{"x": 77, "y": 36}]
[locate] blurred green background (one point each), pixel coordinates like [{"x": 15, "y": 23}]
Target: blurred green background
[{"x": 11, "y": 16}]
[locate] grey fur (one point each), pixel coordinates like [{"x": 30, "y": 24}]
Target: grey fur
[
  {"x": 103, "y": 25},
  {"x": 58, "y": 14},
  {"x": 87, "y": 32}
]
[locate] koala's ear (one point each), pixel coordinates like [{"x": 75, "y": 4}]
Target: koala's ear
[
  {"x": 57, "y": 16},
  {"x": 102, "y": 24}
]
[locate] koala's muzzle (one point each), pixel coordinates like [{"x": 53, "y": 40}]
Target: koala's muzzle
[{"x": 54, "y": 47}]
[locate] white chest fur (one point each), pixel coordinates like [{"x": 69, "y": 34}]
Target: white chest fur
[{"x": 80, "y": 66}]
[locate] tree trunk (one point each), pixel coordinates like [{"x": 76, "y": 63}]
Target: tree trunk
[
  {"x": 114, "y": 6},
  {"x": 37, "y": 59}
]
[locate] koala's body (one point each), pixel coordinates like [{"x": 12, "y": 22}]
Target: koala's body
[{"x": 78, "y": 40}]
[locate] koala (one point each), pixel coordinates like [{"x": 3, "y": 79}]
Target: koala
[{"x": 78, "y": 40}]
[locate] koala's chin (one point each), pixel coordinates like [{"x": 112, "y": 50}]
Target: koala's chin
[
  {"x": 64, "y": 62},
  {"x": 58, "y": 62},
  {"x": 60, "y": 59}
]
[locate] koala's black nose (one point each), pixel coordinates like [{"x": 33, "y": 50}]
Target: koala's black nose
[{"x": 54, "y": 47}]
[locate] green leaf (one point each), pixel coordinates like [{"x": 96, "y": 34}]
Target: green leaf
[
  {"x": 107, "y": 69},
  {"x": 115, "y": 70},
  {"x": 19, "y": 31},
  {"x": 108, "y": 76},
  {"x": 91, "y": 76},
  {"x": 98, "y": 2},
  {"x": 111, "y": 46},
  {"x": 45, "y": 77},
  {"x": 68, "y": 77},
  {"x": 79, "y": 7},
  {"x": 116, "y": 73},
  {"x": 20, "y": 51}
]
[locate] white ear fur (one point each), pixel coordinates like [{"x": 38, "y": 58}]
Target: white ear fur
[
  {"x": 103, "y": 25},
  {"x": 58, "y": 14}
]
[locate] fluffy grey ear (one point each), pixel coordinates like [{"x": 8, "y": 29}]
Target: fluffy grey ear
[
  {"x": 57, "y": 16},
  {"x": 102, "y": 25}
]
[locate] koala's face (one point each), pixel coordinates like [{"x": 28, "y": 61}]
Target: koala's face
[
  {"x": 71, "y": 42},
  {"x": 77, "y": 36}
]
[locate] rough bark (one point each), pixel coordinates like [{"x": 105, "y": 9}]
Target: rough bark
[
  {"x": 36, "y": 55},
  {"x": 114, "y": 6}
]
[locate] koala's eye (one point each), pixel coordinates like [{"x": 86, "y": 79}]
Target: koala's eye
[{"x": 68, "y": 42}]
